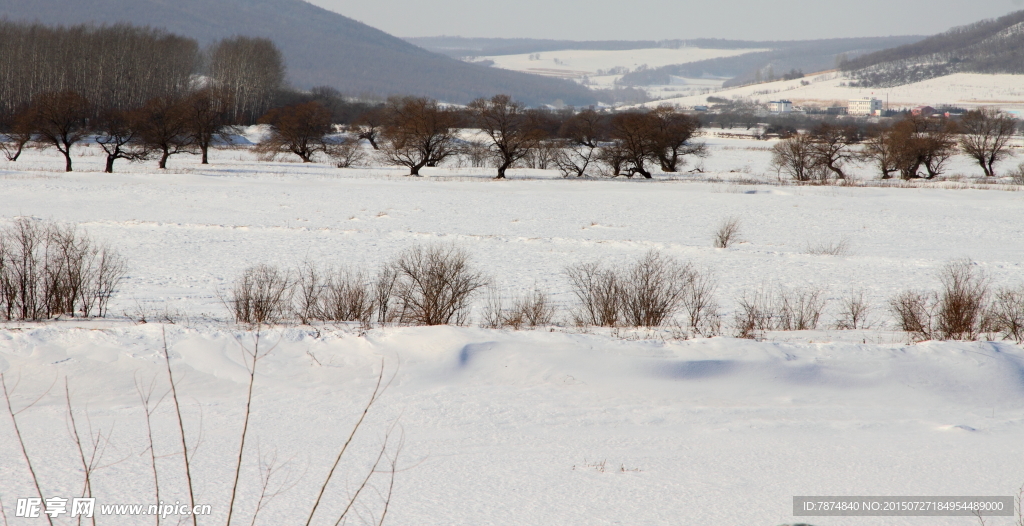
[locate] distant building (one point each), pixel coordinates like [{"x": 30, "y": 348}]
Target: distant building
[
  {"x": 780, "y": 106},
  {"x": 836, "y": 110},
  {"x": 700, "y": 108},
  {"x": 924, "y": 111},
  {"x": 870, "y": 106}
]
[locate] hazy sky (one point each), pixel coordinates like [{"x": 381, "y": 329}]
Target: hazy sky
[{"x": 667, "y": 19}]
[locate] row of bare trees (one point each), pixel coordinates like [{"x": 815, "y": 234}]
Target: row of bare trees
[
  {"x": 417, "y": 132},
  {"x": 159, "y": 128},
  {"x": 914, "y": 147}
]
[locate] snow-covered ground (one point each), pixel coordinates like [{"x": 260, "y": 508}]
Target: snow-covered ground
[
  {"x": 968, "y": 90},
  {"x": 504, "y": 427},
  {"x": 576, "y": 63}
]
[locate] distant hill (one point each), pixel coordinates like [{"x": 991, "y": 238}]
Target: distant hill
[
  {"x": 320, "y": 47},
  {"x": 806, "y": 55},
  {"x": 989, "y": 46},
  {"x": 483, "y": 47}
]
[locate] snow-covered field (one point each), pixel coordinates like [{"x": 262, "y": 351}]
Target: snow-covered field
[
  {"x": 576, "y": 63},
  {"x": 505, "y": 427},
  {"x": 968, "y": 90}
]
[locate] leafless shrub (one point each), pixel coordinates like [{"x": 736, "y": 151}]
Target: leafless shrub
[
  {"x": 647, "y": 293},
  {"x": 755, "y": 314},
  {"x": 433, "y": 285},
  {"x": 914, "y": 312},
  {"x": 728, "y": 233},
  {"x": 345, "y": 152},
  {"x": 653, "y": 289},
  {"x": 830, "y": 248},
  {"x": 348, "y": 297},
  {"x": 700, "y": 304},
  {"x": 533, "y": 309},
  {"x": 599, "y": 292},
  {"x": 1017, "y": 175},
  {"x": 799, "y": 310},
  {"x": 334, "y": 295},
  {"x": 49, "y": 270},
  {"x": 1007, "y": 313},
  {"x": 494, "y": 311},
  {"x": 260, "y": 295},
  {"x": 854, "y": 312},
  {"x": 962, "y": 302},
  {"x": 383, "y": 292}
]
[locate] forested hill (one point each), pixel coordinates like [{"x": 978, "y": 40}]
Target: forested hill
[
  {"x": 989, "y": 46},
  {"x": 320, "y": 47}
]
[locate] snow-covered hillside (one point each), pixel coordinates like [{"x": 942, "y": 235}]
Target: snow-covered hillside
[
  {"x": 967, "y": 90},
  {"x": 558, "y": 425},
  {"x": 603, "y": 67}
]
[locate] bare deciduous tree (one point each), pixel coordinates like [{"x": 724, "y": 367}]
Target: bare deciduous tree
[
  {"x": 207, "y": 113},
  {"x": 61, "y": 120},
  {"x": 418, "y": 132},
  {"x": 16, "y": 132},
  {"x": 117, "y": 135},
  {"x": 298, "y": 129},
  {"x": 674, "y": 133},
  {"x": 985, "y": 136},
  {"x": 582, "y": 134},
  {"x": 162, "y": 125},
  {"x": 507, "y": 123},
  {"x": 831, "y": 147},
  {"x": 795, "y": 157}
]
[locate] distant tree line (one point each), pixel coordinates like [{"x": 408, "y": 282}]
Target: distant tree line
[
  {"x": 416, "y": 132},
  {"x": 912, "y": 147}
]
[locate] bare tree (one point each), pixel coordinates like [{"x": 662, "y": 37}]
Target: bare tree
[
  {"x": 207, "y": 113},
  {"x": 118, "y": 137},
  {"x": 418, "y": 132},
  {"x": 795, "y": 157},
  {"x": 298, "y": 129},
  {"x": 162, "y": 125},
  {"x": 15, "y": 133},
  {"x": 509, "y": 127},
  {"x": 831, "y": 147},
  {"x": 673, "y": 134},
  {"x": 581, "y": 135},
  {"x": 636, "y": 141},
  {"x": 985, "y": 136},
  {"x": 368, "y": 125},
  {"x": 61, "y": 121}
]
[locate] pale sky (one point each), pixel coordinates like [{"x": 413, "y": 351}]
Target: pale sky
[{"x": 668, "y": 19}]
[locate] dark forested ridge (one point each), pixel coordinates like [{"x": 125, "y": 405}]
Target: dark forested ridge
[
  {"x": 320, "y": 47},
  {"x": 989, "y": 46}
]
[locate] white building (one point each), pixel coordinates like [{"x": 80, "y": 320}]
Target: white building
[
  {"x": 780, "y": 106},
  {"x": 870, "y": 106}
]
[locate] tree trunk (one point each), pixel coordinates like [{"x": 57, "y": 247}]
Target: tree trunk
[
  {"x": 206, "y": 149},
  {"x": 110, "y": 164},
  {"x": 501, "y": 169},
  {"x": 67, "y": 160},
  {"x": 163, "y": 160}
]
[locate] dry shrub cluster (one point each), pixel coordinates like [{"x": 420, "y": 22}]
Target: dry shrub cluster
[
  {"x": 728, "y": 233},
  {"x": 422, "y": 286},
  {"x": 648, "y": 293},
  {"x": 533, "y": 309},
  {"x": 962, "y": 309},
  {"x": 780, "y": 310},
  {"x": 49, "y": 270}
]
